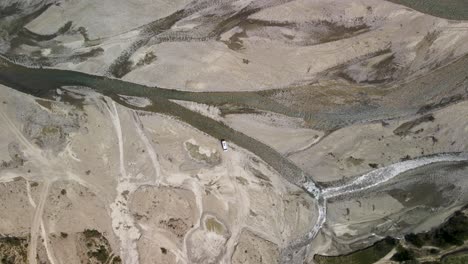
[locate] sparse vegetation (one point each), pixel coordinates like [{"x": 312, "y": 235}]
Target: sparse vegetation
[
  {"x": 365, "y": 256},
  {"x": 452, "y": 233},
  {"x": 302, "y": 100},
  {"x": 98, "y": 249},
  {"x": 242, "y": 180},
  {"x": 403, "y": 255},
  {"x": 122, "y": 69},
  {"x": 148, "y": 59},
  {"x": 414, "y": 240},
  {"x": 195, "y": 153},
  {"x": 101, "y": 254},
  {"x": 176, "y": 225},
  {"x": 91, "y": 233},
  {"x": 13, "y": 250},
  {"x": 405, "y": 128},
  {"x": 12, "y": 241},
  {"x": 164, "y": 251},
  {"x": 455, "y": 259}
]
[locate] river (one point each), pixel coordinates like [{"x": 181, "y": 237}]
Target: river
[{"x": 44, "y": 82}]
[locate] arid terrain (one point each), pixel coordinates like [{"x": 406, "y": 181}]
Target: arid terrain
[{"x": 346, "y": 124}]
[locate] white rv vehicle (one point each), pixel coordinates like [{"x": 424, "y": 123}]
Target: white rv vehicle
[{"x": 224, "y": 145}]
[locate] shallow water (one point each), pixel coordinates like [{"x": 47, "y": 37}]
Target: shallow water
[
  {"x": 44, "y": 82},
  {"x": 453, "y": 9}
]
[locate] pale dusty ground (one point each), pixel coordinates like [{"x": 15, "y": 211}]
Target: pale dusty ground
[
  {"x": 99, "y": 17},
  {"x": 131, "y": 177},
  {"x": 160, "y": 191},
  {"x": 414, "y": 201},
  {"x": 268, "y": 58},
  {"x": 272, "y": 130},
  {"x": 285, "y": 134},
  {"x": 255, "y": 250},
  {"x": 349, "y": 151}
]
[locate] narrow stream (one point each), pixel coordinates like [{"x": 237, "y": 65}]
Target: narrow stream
[
  {"x": 44, "y": 82},
  {"x": 381, "y": 175}
]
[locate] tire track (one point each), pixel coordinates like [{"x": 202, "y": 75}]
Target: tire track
[
  {"x": 122, "y": 219},
  {"x": 149, "y": 148},
  {"x": 36, "y": 223}
]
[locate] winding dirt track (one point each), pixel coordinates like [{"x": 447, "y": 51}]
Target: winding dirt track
[
  {"x": 36, "y": 223},
  {"x": 42, "y": 83}
]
